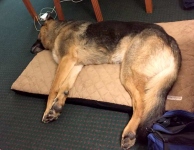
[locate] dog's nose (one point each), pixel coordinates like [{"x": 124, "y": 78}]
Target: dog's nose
[
  {"x": 33, "y": 50},
  {"x": 37, "y": 47}
]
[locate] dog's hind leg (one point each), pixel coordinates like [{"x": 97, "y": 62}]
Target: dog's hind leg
[
  {"x": 64, "y": 79},
  {"x": 148, "y": 71},
  {"x": 134, "y": 83}
]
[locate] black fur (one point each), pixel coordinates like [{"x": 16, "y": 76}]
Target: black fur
[
  {"x": 109, "y": 33},
  {"x": 37, "y": 47}
]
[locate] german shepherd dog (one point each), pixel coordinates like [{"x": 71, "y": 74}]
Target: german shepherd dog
[{"x": 150, "y": 60}]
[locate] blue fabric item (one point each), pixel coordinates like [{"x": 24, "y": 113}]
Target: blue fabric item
[
  {"x": 155, "y": 143},
  {"x": 173, "y": 131},
  {"x": 188, "y": 3},
  {"x": 169, "y": 114}
]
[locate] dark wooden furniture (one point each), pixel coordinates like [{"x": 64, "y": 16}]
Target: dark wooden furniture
[{"x": 95, "y": 4}]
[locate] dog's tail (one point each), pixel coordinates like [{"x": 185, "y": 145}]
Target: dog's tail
[
  {"x": 154, "y": 101},
  {"x": 157, "y": 89}
]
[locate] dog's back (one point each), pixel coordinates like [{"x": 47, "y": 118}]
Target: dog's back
[{"x": 104, "y": 42}]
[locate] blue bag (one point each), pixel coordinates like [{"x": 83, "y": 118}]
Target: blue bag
[
  {"x": 188, "y": 4},
  {"x": 173, "y": 131}
]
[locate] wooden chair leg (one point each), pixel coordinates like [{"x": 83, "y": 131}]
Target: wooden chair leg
[
  {"x": 149, "y": 6},
  {"x": 97, "y": 10},
  {"x": 30, "y": 9},
  {"x": 59, "y": 10}
]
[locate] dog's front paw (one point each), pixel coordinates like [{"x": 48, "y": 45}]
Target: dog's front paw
[
  {"x": 128, "y": 141},
  {"x": 53, "y": 113}
]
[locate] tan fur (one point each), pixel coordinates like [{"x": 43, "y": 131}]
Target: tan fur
[{"x": 148, "y": 66}]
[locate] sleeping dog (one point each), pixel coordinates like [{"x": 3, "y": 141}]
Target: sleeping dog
[{"x": 150, "y": 60}]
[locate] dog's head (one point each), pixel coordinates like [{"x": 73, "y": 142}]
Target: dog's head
[{"x": 45, "y": 36}]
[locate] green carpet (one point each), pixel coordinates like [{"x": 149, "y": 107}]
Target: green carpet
[{"x": 79, "y": 127}]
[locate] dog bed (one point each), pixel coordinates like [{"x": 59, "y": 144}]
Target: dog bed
[{"x": 100, "y": 83}]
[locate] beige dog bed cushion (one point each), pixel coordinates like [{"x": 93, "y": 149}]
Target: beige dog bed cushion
[{"x": 101, "y": 82}]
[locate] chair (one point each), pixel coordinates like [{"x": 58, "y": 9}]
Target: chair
[
  {"x": 95, "y": 4},
  {"x": 59, "y": 11},
  {"x": 149, "y": 6}
]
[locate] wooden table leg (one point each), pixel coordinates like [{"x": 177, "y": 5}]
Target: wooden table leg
[
  {"x": 149, "y": 6},
  {"x": 59, "y": 10},
  {"x": 30, "y": 9},
  {"x": 97, "y": 10}
]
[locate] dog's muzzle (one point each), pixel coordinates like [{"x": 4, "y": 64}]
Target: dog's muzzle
[{"x": 37, "y": 47}]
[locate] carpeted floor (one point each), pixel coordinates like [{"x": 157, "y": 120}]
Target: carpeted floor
[{"x": 79, "y": 127}]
